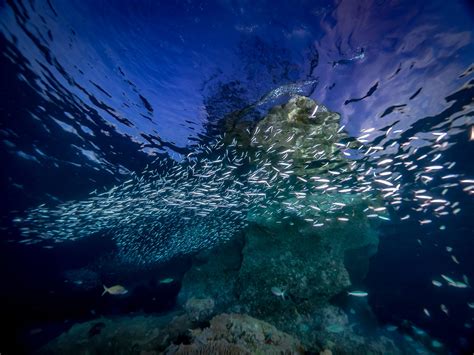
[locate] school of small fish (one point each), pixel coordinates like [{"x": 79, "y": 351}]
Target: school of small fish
[{"x": 206, "y": 198}]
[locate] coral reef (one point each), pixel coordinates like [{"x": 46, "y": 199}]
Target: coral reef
[
  {"x": 199, "y": 308},
  {"x": 121, "y": 335},
  {"x": 238, "y": 334},
  {"x": 224, "y": 334}
]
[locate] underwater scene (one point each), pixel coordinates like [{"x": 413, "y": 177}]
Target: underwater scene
[{"x": 237, "y": 177}]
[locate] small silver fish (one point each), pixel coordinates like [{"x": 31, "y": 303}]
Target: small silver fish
[
  {"x": 167, "y": 280},
  {"x": 436, "y": 283},
  {"x": 444, "y": 309},
  {"x": 358, "y": 293},
  {"x": 277, "y": 291},
  {"x": 115, "y": 290}
]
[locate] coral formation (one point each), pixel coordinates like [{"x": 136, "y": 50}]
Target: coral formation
[
  {"x": 199, "y": 308},
  {"x": 238, "y": 334},
  {"x": 122, "y": 335},
  {"x": 224, "y": 334}
]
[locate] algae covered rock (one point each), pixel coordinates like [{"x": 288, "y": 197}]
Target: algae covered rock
[
  {"x": 213, "y": 275},
  {"x": 303, "y": 120},
  {"x": 304, "y": 133}
]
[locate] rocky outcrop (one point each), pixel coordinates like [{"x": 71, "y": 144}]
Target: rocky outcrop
[
  {"x": 296, "y": 253},
  {"x": 308, "y": 266},
  {"x": 304, "y": 261}
]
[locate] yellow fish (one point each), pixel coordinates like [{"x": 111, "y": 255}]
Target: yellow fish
[{"x": 115, "y": 290}]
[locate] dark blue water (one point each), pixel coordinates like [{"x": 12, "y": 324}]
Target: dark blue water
[{"x": 92, "y": 91}]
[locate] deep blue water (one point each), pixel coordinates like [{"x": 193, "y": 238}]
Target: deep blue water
[{"x": 94, "y": 90}]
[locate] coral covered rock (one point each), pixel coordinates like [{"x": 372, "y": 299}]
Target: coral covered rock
[
  {"x": 199, "y": 308},
  {"x": 307, "y": 262},
  {"x": 122, "y": 335},
  {"x": 238, "y": 334},
  {"x": 213, "y": 275},
  {"x": 224, "y": 334}
]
